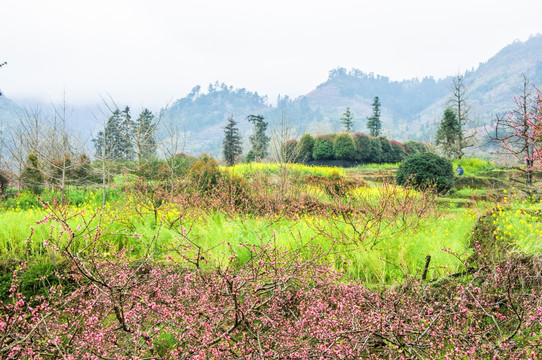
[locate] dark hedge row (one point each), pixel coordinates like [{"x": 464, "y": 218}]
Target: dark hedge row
[{"x": 359, "y": 148}]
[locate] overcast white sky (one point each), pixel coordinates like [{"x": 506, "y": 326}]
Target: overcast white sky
[{"x": 145, "y": 53}]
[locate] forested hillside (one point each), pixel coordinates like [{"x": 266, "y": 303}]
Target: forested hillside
[{"x": 410, "y": 108}]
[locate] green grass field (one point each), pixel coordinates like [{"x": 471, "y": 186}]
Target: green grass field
[{"x": 388, "y": 257}]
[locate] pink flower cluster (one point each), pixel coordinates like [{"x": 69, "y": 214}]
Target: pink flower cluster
[{"x": 273, "y": 306}]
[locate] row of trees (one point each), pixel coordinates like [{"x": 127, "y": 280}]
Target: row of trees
[
  {"x": 374, "y": 124},
  {"x": 359, "y": 148},
  {"x": 233, "y": 145},
  {"x": 124, "y": 138}
]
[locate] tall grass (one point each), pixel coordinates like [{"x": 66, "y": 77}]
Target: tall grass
[{"x": 391, "y": 260}]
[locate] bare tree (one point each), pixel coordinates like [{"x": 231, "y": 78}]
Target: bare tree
[
  {"x": 283, "y": 152},
  {"x": 103, "y": 153},
  {"x": 515, "y": 131},
  {"x": 141, "y": 134},
  {"x": 47, "y": 135},
  {"x": 25, "y": 138},
  {"x": 466, "y": 132},
  {"x": 63, "y": 155},
  {"x": 173, "y": 142},
  {"x": 281, "y": 132}
]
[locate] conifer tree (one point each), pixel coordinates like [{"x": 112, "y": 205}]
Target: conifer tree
[
  {"x": 448, "y": 133},
  {"x": 143, "y": 130},
  {"x": 348, "y": 121},
  {"x": 259, "y": 140},
  {"x": 113, "y": 142},
  {"x": 232, "y": 142},
  {"x": 373, "y": 122}
]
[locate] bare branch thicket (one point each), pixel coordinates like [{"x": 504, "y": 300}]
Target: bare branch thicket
[
  {"x": 283, "y": 131},
  {"x": 105, "y": 111},
  {"x": 173, "y": 144},
  {"x": 47, "y": 135},
  {"x": 24, "y": 138},
  {"x": 64, "y": 156},
  {"x": 515, "y": 130}
]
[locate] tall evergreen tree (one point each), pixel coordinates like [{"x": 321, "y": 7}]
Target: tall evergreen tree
[
  {"x": 113, "y": 142},
  {"x": 143, "y": 130},
  {"x": 373, "y": 122},
  {"x": 348, "y": 121},
  {"x": 448, "y": 133},
  {"x": 258, "y": 140},
  {"x": 232, "y": 142}
]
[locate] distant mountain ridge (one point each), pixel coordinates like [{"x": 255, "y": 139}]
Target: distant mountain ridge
[{"x": 410, "y": 108}]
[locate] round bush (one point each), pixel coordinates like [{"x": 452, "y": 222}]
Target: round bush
[
  {"x": 398, "y": 152},
  {"x": 323, "y": 148},
  {"x": 204, "y": 173},
  {"x": 305, "y": 147},
  {"x": 363, "y": 146},
  {"x": 426, "y": 169},
  {"x": 344, "y": 147},
  {"x": 387, "y": 156},
  {"x": 376, "y": 151}
]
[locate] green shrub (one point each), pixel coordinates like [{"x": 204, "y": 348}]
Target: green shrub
[
  {"x": 150, "y": 169},
  {"x": 426, "y": 169},
  {"x": 305, "y": 147},
  {"x": 363, "y": 147},
  {"x": 32, "y": 176},
  {"x": 323, "y": 147},
  {"x": 386, "y": 156},
  {"x": 413, "y": 147},
  {"x": 376, "y": 151},
  {"x": 204, "y": 173},
  {"x": 398, "y": 152},
  {"x": 344, "y": 147}
]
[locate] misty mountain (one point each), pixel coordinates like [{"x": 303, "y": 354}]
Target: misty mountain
[
  {"x": 8, "y": 110},
  {"x": 491, "y": 88},
  {"x": 410, "y": 108}
]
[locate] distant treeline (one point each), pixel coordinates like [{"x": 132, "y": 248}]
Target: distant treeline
[{"x": 359, "y": 148}]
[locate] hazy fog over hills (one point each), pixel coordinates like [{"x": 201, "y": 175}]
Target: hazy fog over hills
[{"x": 409, "y": 107}]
